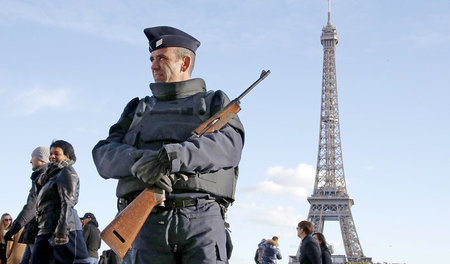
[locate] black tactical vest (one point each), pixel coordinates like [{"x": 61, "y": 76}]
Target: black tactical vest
[{"x": 170, "y": 117}]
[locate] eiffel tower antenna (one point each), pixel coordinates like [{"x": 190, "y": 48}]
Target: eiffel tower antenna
[
  {"x": 329, "y": 12},
  {"x": 330, "y": 201}
]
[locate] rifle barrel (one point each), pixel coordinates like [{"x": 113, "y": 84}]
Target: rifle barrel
[{"x": 263, "y": 75}]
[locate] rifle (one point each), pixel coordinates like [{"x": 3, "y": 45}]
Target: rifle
[
  {"x": 222, "y": 117},
  {"x": 122, "y": 231}
]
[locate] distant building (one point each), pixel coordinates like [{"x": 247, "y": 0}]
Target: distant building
[{"x": 338, "y": 259}]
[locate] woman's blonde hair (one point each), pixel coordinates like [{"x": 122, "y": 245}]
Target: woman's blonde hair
[{"x": 4, "y": 227}]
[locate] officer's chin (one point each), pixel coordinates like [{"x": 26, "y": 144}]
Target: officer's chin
[{"x": 159, "y": 78}]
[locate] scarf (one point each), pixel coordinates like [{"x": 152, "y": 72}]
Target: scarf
[{"x": 52, "y": 169}]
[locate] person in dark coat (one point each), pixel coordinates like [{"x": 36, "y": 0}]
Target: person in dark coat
[
  {"x": 27, "y": 217},
  {"x": 309, "y": 248},
  {"x": 59, "y": 239},
  {"x": 326, "y": 254},
  {"x": 91, "y": 235},
  {"x": 270, "y": 251},
  {"x": 259, "y": 251},
  {"x": 152, "y": 145}
]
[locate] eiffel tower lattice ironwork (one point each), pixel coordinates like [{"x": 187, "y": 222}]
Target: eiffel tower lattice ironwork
[{"x": 330, "y": 201}]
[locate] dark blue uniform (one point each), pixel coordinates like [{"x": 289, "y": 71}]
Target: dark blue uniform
[{"x": 190, "y": 228}]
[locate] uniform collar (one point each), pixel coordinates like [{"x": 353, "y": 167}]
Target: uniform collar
[{"x": 177, "y": 90}]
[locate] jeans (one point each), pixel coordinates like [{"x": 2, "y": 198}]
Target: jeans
[
  {"x": 26, "y": 257},
  {"x": 75, "y": 251}
]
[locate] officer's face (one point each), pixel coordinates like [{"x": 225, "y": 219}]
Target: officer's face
[{"x": 166, "y": 65}]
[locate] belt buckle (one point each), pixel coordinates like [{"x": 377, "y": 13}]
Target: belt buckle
[
  {"x": 169, "y": 203},
  {"x": 178, "y": 203}
]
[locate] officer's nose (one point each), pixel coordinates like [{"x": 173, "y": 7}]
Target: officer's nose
[{"x": 155, "y": 65}]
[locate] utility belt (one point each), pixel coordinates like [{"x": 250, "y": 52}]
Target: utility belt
[{"x": 169, "y": 203}]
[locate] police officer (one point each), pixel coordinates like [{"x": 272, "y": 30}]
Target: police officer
[{"x": 151, "y": 145}]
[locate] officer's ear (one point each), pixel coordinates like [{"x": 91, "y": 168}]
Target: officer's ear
[{"x": 186, "y": 63}]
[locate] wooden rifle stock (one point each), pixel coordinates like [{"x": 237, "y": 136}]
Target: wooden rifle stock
[
  {"x": 218, "y": 120},
  {"x": 122, "y": 231}
]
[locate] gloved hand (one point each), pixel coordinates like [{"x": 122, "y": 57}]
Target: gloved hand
[
  {"x": 152, "y": 167},
  {"x": 144, "y": 159},
  {"x": 12, "y": 231},
  {"x": 60, "y": 239},
  {"x": 8, "y": 236}
]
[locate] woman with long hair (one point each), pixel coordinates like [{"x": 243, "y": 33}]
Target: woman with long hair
[
  {"x": 4, "y": 226},
  {"x": 59, "y": 239},
  {"x": 326, "y": 255}
]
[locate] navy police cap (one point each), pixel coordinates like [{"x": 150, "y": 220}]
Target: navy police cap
[{"x": 164, "y": 36}]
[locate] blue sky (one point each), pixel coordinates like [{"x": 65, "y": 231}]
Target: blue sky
[{"x": 67, "y": 69}]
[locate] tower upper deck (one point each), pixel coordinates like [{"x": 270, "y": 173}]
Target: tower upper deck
[{"x": 329, "y": 31}]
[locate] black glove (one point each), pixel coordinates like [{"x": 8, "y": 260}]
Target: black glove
[
  {"x": 12, "y": 231},
  {"x": 8, "y": 236},
  {"x": 152, "y": 167}
]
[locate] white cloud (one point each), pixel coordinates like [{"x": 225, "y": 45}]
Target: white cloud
[
  {"x": 82, "y": 16},
  {"x": 276, "y": 200},
  {"x": 33, "y": 100},
  {"x": 302, "y": 175},
  {"x": 286, "y": 181},
  {"x": 124, "y": 22},
  {"x": 276, "y": 215}
]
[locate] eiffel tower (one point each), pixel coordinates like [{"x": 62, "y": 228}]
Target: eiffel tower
[{"x": 330, "y": 201}]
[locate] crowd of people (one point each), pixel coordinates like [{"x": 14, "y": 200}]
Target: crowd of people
[
  {"x": 151, "y": 145},
  {"x": 48, "y": 229},
  {"x": 313, "y": 247}
]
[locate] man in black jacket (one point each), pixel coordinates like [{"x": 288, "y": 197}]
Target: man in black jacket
[
  {"x": 309, "y": 250},
  {"x": 91, "y": 235},
  {"x": 27, "y": 217}
]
